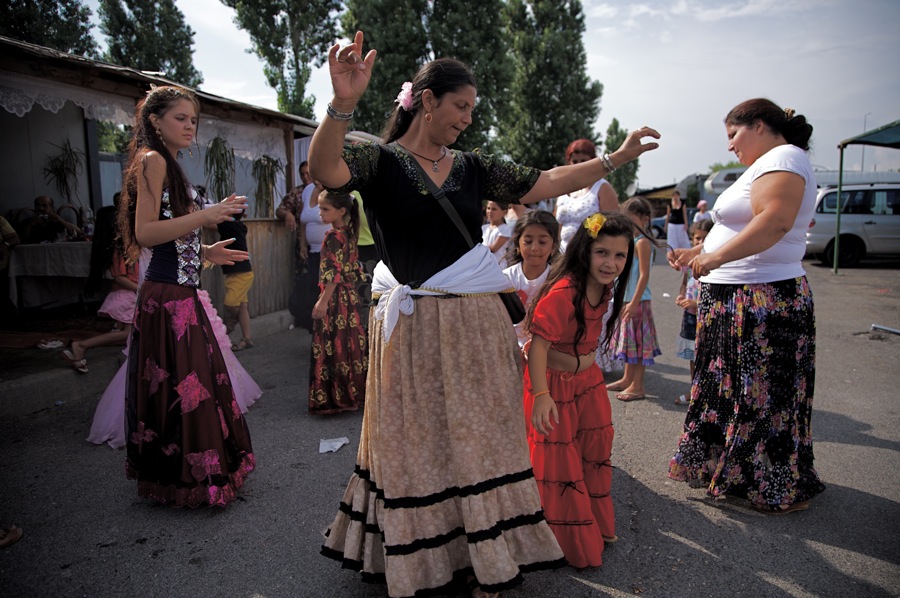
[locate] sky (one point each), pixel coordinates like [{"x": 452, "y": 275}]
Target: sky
[{"x": 678, "y": 66}]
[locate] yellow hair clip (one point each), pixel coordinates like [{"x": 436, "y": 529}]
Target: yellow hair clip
[{"x": 594, "y": 223}]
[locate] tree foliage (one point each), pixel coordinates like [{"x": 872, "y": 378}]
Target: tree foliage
[
  {"x": 553, "y": 102},
  {"x": 150, "y": 35},
  {"x": 471, "y": 32},
  {"x": 64, "y": 25},
  {"x": 290, "y": 36},
  {"x": 719, "y": 166},
  {"x": 623, "y": 176},
  {"x": 396, "y": 28},
  {"x": 112, "y": 138}
]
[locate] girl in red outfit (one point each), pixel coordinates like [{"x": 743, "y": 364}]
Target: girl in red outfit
[
  {"x": 337, "y": 377},
  {"x": 567, "y": 411}
]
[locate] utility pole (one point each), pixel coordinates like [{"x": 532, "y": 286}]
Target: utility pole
[{"x": 863, "y": 162}]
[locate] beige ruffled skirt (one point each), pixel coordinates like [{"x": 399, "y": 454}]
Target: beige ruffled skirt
[{"x": 443, "y": 487}]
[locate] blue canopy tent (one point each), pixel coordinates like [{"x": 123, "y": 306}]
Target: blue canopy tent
[{"x": 885, "y": 136}]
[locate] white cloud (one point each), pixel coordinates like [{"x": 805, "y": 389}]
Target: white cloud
[
  {"x": 600, "y": 11},
  {"x": 600, "y": 61}
]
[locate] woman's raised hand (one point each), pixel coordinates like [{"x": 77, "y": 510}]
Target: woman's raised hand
[
  {"x": 350, "y": 72},
  {"x": 633, "y": 146},
  {"x": 226, "y": 209}
]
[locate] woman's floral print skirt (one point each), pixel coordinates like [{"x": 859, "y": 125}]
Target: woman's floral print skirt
[{"x": 748, "y": 431}]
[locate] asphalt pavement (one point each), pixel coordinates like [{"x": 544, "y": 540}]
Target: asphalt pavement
[{"x": 88, "y": 534}]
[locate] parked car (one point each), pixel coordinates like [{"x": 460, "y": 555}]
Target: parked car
[
  {"x": 870, "y": 223},
  {"x": 658, "y": 227}
]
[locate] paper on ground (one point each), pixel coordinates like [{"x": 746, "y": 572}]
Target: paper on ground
[{"x": 331, "y": 445}]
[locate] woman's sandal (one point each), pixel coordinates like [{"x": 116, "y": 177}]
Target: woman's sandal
[
  {"x": 475, "y": 590},
  {"x": 615, "y": 387},
  {"x": 80, "y": 365},
  {"x": 782, "y": 509},
  {"x": 10, "y": 535},
  {"x": 244, "y": 343},
  {"x": 629, "y": 396},
  {"x": 610, "y": 539}
]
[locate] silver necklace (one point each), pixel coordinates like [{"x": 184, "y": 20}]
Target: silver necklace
[{"x": 434, "y": 163}]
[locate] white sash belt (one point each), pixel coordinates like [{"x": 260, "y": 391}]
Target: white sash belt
[{"x": 475, "y": 272}]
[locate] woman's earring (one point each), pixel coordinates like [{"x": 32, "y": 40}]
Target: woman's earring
[
  {"x": 428, "y": 117},
  {"x": 159, "y": 134}
]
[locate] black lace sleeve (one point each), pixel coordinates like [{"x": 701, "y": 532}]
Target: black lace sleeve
[
  {"x": 507, "y": 181},
  {"x": 362, "y": 160}
]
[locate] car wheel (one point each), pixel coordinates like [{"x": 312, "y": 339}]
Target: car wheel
[
  {"x": 657, "y": 232},
  {"x": 851, "y": 252}
]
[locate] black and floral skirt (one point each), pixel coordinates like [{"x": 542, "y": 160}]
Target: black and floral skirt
[
  {"x": 748, "y": 431},
  {"x": 187, "y": 443}
]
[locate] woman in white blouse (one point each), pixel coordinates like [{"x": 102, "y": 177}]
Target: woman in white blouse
[
  {"x": 747, "y": 433},
  {"x": 573, "y": 208}
]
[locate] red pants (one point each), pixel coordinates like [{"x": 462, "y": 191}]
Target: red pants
[{"x": 572, "y": 464}]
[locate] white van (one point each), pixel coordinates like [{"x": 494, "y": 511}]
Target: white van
[{"x": 870, "y": 223}]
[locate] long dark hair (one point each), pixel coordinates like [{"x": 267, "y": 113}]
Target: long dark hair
[
  {"x": 576, "y": 263},
  {"x": 541, "y": 218},
  {"x": 440, "y": 76},
  {"x": 349, "y": 203},
  {"x": 144, "y": 138},
  {"x": 793, "y": 127}
]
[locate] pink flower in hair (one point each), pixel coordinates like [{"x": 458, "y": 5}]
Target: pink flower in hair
[{"x": 405, "y": 97}]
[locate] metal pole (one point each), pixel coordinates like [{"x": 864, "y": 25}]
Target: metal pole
[
  {"x": 863, "y": 163},
  {"x": 838, "y": 209}
]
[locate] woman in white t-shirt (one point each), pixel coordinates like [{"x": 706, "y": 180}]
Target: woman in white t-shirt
[
  {"x": 747, "y": 432},
  {"x": 574, "y": 208},
  {"x": 311, "y": 234},
  {"x": 702, "y": 212}
]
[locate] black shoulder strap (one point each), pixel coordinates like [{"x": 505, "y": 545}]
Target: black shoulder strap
[{"x": 438, "y": 194}]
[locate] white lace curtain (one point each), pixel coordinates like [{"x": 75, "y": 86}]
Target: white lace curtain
[
  {"x": 248, "y": 141},
  {"x": 19, "y": 94}
]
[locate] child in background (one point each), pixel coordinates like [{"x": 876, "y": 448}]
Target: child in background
[
  {"x": 687, "y": 299},
  {"x": 496, "y": 233},
  {"x": 337, "y": 377},
  {"x": 107, "y": 257},
  {"x": 568, "y": 418},
  {"x": 238, "y": 280},
  {"x": 635, "y": 338},
  {"x": 534, "y": 248}
]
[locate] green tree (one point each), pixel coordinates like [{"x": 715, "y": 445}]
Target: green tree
[
  {"x": 623, "y": 176},
  {"x": 64, "y": 25},
  {"x": 719, "y": 166},
  {"x": 396, "y": 28},
  {"x": 150, "y": 35},
  {"x": 289, "y": 36},
  {"x": 553, "y": 101},
  {"x": 112, "y": 138},
  {"x": 470, "y": 32}
]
